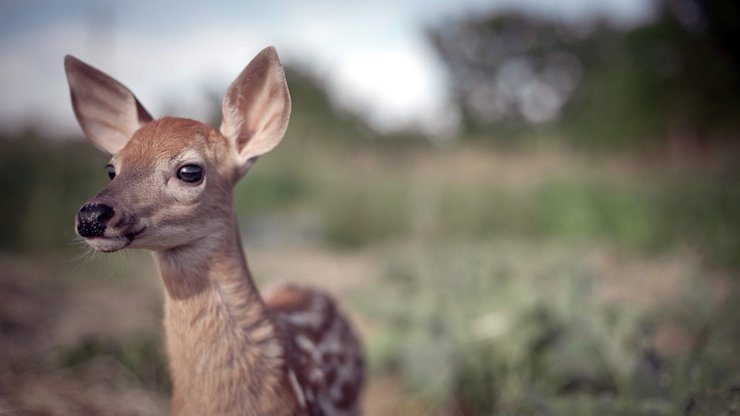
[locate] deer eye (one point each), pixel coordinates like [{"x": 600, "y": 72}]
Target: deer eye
[
  {"x": 111, "y": 171},
  {"x": 190, "y": 173}
]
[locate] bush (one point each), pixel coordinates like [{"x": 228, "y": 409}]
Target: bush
[{"x": 467, "y": 330}]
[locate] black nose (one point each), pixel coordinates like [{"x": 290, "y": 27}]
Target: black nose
[{"x": 92, "y": 219}]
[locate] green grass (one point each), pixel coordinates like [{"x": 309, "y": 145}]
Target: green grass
[
  {"x": 44, "y": 185},
  {"x": 142, "y": 357},
  {"x": 354, "y": 216},
  {"x": 465, "y": 327},
  {"x": 356, "y": 202},
  {"x": 468, "y": 324},
  {"x": 584, "y": 210}
]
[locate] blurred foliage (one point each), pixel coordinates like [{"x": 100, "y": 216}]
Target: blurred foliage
[
  {"x": 353, "y": 206},
  {"x": 314, "y": 114},
  {"x": 672, "y": 81},
  {"x": 142, "y": 356},
  {"x": 697, "y": 212},
  {"x": 461, "y": 321},
  {"x": 513, "y": 339},
  {"x": 44, "y": 186}
]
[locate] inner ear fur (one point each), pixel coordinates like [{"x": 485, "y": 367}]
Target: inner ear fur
[
  {"x": 106, "y": 110},
  {"x": 256, "y": 108}
]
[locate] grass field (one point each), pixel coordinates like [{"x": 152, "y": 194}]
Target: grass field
[{"x": 482, "y": 282}]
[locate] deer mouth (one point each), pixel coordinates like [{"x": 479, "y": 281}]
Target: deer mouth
[{"x": 109, "y": 244}]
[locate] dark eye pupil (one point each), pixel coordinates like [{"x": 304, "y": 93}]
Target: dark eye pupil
[
  {"x": 111, "y": 171},
  {"x": 190, "y": 173}
]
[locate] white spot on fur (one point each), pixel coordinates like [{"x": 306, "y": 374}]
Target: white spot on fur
[{"x": 297, "y": 389}]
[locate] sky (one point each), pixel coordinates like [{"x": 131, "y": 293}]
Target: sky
[{"x": 171, "y": 54}]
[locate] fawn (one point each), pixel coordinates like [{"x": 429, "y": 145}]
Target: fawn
[{"x": 171, "y": 191}]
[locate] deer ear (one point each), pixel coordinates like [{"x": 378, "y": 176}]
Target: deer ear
[
  {"x": 108, "y": 112},
  {"x": 256, "y": 108}
]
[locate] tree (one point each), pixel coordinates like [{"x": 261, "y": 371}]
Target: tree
[{"x": 675, "y": 78}]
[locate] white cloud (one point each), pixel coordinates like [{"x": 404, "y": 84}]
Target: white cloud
[
  {"x": 371, "y": 51},
  {"x": 396, "y": 87},
  {"x": 32, "y": 83}
]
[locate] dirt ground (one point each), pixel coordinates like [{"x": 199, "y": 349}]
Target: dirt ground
[{"x": 45, "y": 310}]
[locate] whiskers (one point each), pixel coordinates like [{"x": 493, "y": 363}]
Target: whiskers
[
  {"x": 86, "y": 255},
  {"x": 79, "y": 264},
  {"x": 90, "y": 263}
]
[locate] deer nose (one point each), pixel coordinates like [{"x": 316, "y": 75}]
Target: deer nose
[{"x": 92, "y": 219}]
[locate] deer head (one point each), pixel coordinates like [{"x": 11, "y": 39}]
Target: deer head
[{"x": 172, "y": 179}]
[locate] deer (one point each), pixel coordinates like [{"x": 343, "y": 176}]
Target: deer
[{"x": 230, "y": 351}]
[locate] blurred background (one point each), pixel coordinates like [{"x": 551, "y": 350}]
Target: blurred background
[{"x": 526, "y": 207}]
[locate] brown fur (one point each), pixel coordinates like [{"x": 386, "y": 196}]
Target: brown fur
[
  {"x": 229, "y": 353},
  {"x": 322, "y": 349},
  {"x": 225, "y": 357}
]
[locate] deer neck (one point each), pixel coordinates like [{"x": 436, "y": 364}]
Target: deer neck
[{"x": 225, "y": 356}]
